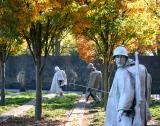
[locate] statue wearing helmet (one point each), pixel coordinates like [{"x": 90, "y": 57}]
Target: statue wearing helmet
[
  {"x": 95, "y": 79},
  {"x": 58, "y": 81},
  {"x": 122, "y": 98},
  {"x": 120, "y": 50},
  {"x": 90, "y": 66},
  {"x": 21, "y": 80}
]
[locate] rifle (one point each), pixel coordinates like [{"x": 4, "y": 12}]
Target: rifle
[{"x": 138, "y": 117}]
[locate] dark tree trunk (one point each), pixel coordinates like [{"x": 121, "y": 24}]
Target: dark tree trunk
[
  {"x": 57, "y": 48},
  {"x": 105, "y": 80},
  {"x": 38, "y": 107},
  {"x": 3, "y": 83},
  {"x": 158, "y": 52},
  {"x": 158, "y": 42}
]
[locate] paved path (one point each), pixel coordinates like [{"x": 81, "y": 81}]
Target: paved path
[
  {"x": 155, "y": 96},
  {"x": 22, "y": 109},
  {"x": 152, "y": 123},
  {"x": 76, "y": 116},
  {"x": 10, "y": 95}
]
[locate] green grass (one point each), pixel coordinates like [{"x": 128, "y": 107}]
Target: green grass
[
  {"x": 57, "y": 107},
  {"x": 17, "y": 100},
  {"x": 54, "y": 112},
  {"x": 10, "y": 92},
  {"x": 97, "y": 109},
  {"x": 155, "y": 110},
  {"x": 99, "y": 114}
]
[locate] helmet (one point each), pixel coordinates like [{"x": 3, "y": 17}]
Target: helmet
[
  {"x": 56, "y": 68},
  {"x": 120, "y": 50},
  {"x": 90, "y": 65}
]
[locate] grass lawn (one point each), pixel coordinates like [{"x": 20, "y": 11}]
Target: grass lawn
[
  {"x": 10, "y": 92},
  {"x": 155, "y": 110},
  {"x": 97, "y": 111},
  {"x": 99, "y": 114},
  {"x": 55, "y": 112},
  {"x": 17, "y": 100}
]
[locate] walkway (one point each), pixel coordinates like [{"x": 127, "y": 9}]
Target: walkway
[
  {"x": 155, "y": 96},
  {"x": 22, "y": 109},
  {"x": 10, "y": 95},
  {"x": 152, "y": 123},
  {"x": 76, "y": 116}
]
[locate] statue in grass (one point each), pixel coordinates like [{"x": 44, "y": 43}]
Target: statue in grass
[
  {"x": 59, "y": 80},
  {"x": 95, "y": 80},
  {"x": 72, "y": 77},
  {"x": 21, "y": 80},
  {"x": 129, "y": 95}
]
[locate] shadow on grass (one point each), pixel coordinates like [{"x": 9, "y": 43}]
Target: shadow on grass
[
  {"x": 96, "y": 105},
  {"x": 29, "y": 121},
  {"x": 97, "y": 112},
  {"x": 20, "y": 99},
  {"x": 53, "y": 112},
  {"x": 155, "y": 110},
  {"x": 67, "y": 102},
  {"x": 17, "y": 101},
  {"x": 155, "y": 103}
]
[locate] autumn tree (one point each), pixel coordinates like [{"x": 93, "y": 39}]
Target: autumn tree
[
  {"x": 154, "y": 8},
  {"x": 99, "y": 21},
  {"x": 111, "y": 23},
  {"x": 7, "y": 47},
  {"x": 4, "y": 51},
  {"x": 68, "y": 43},
  {"x": 40, "y": 22},
  {"x": 144, "y": 24},
  {"x": 8, "y": 42},
  {"x": 85, "y": 49}
]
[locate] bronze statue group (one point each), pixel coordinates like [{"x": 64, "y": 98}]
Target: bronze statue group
[{"x": 129, "y": 96}]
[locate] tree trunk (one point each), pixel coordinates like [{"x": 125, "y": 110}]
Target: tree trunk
[
  {"x": 3, "y": 83},
  {"x": 158, "y": 40},
  {"x": 158, "y": 52},
  {"x": 105, "y": 81},
  {"x": 57, "y": 48},
  {"x": 38, "y": 107}
]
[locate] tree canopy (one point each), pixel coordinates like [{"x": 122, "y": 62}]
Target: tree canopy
[{"x": 97, "y": 25}]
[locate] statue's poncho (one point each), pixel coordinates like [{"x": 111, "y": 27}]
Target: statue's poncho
[
  {"x": 122, "y": 95},
  {"x": 59, "y": 75},
  {"x": 95, "y": 79}
]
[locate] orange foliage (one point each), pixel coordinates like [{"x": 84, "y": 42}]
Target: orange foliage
[
  {"x": 81, "y": 22},
  {"x": 120, "y": 4},
  {"x": 85, "y": 48},
  {"x": 132, "y": 11},
  {"x": 30, "y": 11}
]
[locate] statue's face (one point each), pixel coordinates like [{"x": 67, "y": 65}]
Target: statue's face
[{"x": 120, "y": 60}]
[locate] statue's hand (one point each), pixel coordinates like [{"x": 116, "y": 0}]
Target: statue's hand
[{"x": 119, "y": 116}]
